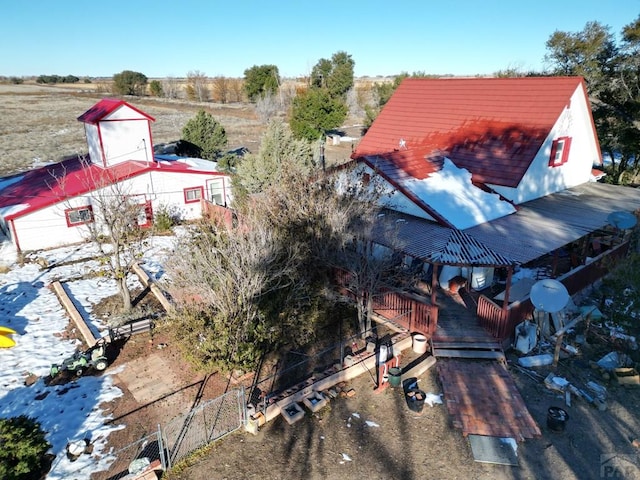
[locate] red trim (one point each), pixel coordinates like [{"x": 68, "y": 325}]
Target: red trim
[
  {"x": 83, "y": 222},
  {"x": 224, "y": 190},
  {"x": 79, "y": 177},
  {"x": 190, "y": 189},
  {"x": 15, "y": 235},
  {"x": 148, "y": 211},
  {"x": 565, "y": 142},
  {"x": 102, "y": 153},
  {"x": 105, "y": 107}
]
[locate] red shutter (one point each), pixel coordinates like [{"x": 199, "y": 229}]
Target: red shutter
[{"x": 565, "y": 150}]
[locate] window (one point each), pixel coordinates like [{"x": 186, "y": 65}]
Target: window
[
  {"x": 192, "y": 195},
  {"x": 560, "y": 151},
  {"x": 79, "y": 216},
  {"x": 216, "y": 192}
]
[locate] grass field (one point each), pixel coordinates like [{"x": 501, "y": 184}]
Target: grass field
[{"x": 38, "y": 124}]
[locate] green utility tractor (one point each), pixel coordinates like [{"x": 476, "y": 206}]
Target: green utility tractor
[{"x": 82, "y": 361}]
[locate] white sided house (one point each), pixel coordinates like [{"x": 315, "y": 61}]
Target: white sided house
[
  {"x": 50, "y": 206},
  {"x": 466, "y": 151}
]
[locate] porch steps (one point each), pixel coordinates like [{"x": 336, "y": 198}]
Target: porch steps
[{"x": 473, "y": 350}]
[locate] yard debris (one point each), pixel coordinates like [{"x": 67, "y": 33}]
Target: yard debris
[
  {"x": 599, "y": 390},
  {"x": 553, "y": 382},
  {"x": 536, "y": 360},
  {"x": 613, "y": 360},
  {"x": 562, "y": 385},
  {"x": 526, "y": 335},
  {"x": 627, "y": 376},
  {"x": 432, "y": 399}
]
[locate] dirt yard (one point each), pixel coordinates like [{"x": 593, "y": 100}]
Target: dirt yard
[{"x": 336, "y": 442}]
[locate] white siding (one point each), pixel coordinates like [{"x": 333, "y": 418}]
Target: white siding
[
  {"x": 93, "y": 141},
  {"x": 47, "y": 228},
  {"x": 126, "y": 140},
  {"x": 541, "y": 179},
  {"x": 168, "y": 188},
  {"x": 387, "y": 195}
]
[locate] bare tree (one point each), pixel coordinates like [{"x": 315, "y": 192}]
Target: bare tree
[
  {"x": 225, "y": 282},
  {"x": 333, "y": 218},
  {"x": 170, "y": 87},
  {"x": 115, "y": 220},
  {"x": 221, "y": 89},
  {"x": 197, "y": 86},
  {"x": 267, "y": 107},
  {"x": 236, "y": 86}
]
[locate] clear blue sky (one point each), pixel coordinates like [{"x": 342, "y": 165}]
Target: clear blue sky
[{"x": 170, "y": 38}]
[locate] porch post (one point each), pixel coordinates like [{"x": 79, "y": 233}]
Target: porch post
[
  {"x": 434, "y": 283},
  {"x": 507, "y": 288}
]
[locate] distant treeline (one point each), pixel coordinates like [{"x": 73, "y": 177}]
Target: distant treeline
[
  {"x": 60, "y": 79},
  {"x": 48, "y": 79}
]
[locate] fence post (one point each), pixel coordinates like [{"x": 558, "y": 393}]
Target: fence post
[
  {"x": 243, "y": 406},
  {"x": 163, "y": 456}
]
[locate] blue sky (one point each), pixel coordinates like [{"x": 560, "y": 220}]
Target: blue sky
[{"x": 170, "y": 38}]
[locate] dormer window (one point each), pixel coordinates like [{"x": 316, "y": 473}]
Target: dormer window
[{"x": 559, "y": 151}]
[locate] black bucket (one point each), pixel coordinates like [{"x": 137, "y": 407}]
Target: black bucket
[{"x": 557, "y": 419}]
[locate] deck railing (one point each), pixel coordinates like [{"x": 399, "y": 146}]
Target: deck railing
[
  {"x": 400, "y": 308},
  {"x": 501, "y": 324}
]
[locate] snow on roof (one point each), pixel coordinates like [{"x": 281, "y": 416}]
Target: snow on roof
[
  {"x": 450, "y": 192},
  {"x": 492, "y": 126}
]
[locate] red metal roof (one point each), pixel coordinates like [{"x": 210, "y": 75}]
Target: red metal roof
[
  {"x": 45, "y": 186},
  {"x": 493, "y": 127},
  {"x": 105, "y": 107}
]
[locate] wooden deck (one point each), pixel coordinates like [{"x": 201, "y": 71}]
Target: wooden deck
[
  {"x": 480, "y": 395},
  {"x": 458, "y": 334}
]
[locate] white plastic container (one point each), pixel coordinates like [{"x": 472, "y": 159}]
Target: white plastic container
[
  {"x": 419, "y": 343},
  {"x": 536, "y": 360}
]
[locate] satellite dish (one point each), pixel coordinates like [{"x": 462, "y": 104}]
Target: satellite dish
[
  {"x": 549, "y": 295},
  {"x": 622, "y": 220}
]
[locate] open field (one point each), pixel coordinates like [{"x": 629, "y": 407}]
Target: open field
[{"x": 38, "y": 123}]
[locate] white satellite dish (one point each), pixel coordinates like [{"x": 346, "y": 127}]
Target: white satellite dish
[
  {"x": 622, "y": 220},
  {"x": 549, "y": 295}
]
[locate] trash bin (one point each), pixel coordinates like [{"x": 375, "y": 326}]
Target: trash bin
[
  {"x": 557, "y": 419},
  {"x": 394, "y": 376},
  {"x": 415, "y": 399}
]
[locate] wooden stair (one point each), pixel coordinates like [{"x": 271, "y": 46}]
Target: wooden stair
[{"x": 473, "y": 350}]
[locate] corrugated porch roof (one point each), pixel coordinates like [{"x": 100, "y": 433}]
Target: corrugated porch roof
[
  {"x": 548, "y": 223},
  {"x": 537, "y": 228}
]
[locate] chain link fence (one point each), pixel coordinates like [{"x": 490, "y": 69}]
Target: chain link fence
[
  {"x": 177, "y": 439},
  {"x": 208, "y": 422}
]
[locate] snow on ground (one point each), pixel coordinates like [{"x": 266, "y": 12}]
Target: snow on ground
[{"x": 73, "y": 411}]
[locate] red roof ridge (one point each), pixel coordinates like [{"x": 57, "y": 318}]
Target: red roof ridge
[{"x": 105, "y": 107}]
